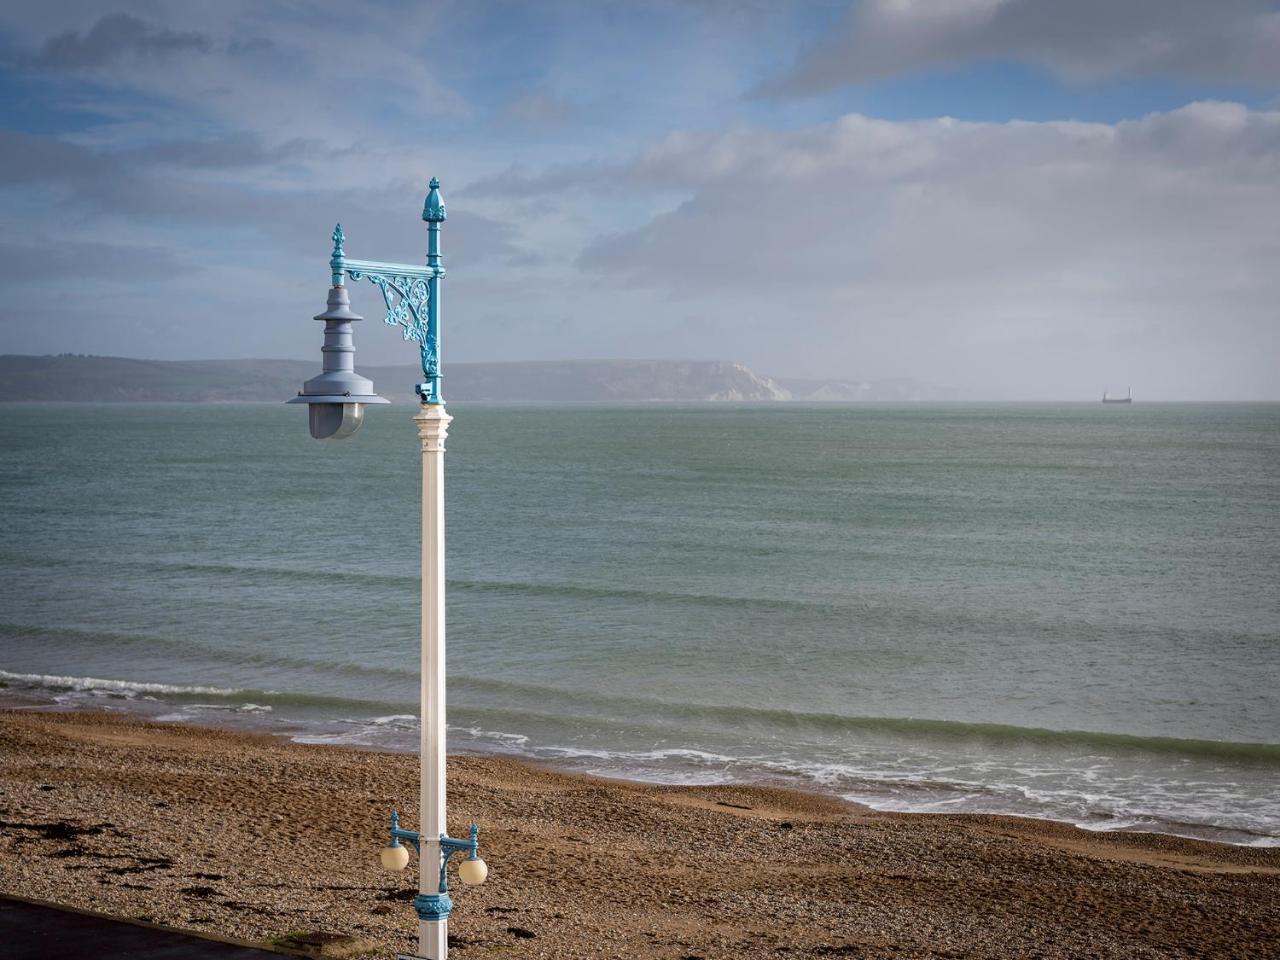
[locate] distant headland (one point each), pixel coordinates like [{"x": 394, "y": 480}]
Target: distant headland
[{"x": 72, "y": 377}]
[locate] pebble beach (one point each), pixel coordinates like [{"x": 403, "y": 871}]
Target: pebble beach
[{"x": 260, "y": 840}]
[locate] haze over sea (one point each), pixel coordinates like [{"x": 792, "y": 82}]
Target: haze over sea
[{"x": 1067, "y": 611}]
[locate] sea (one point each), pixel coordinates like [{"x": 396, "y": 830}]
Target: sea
[{"x": 1063, "y": 611}]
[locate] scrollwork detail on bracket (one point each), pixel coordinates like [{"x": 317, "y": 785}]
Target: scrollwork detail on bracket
[{"x": 406, "y": 299}]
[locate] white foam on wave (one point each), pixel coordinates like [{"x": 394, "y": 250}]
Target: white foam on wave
[
  {"x": 388, "y": 732},
  {"x": 669, "y": 765},
  {"x": 191, "y": 712},
  {"x": 1262, "y": 842},
  {"x": 355, "y": 738},
  {"x": 101, "y": 686},
  {"x": 918, "y": 791},
  {"x": 369, "y": 731},
  {"x": 519, "y": 739}
]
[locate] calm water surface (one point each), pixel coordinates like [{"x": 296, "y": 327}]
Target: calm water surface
[{"x": 1068, "y": 611}]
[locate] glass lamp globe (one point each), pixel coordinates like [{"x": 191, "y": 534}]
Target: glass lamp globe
[
  {"x": 395, "y": 858},
  {"x": 473, "y": 871}
]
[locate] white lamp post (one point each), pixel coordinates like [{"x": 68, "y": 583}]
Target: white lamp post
[{"x": 336, "y": 399}]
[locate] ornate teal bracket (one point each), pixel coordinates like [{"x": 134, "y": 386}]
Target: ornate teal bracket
[
  {"x": 436, "y": 906},
  {"x": 411, "y": 293}
]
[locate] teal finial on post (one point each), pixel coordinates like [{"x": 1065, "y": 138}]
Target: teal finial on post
[
  {"x": 433, "y": 209},
  {"x": 337, "y": 262}
]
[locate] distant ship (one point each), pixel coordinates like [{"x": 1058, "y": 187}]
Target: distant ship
[{"x": 1125, "y": 399}]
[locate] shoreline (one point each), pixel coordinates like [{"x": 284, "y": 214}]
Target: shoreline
[
  {"x": 260, "y": 720},
  {"x": 250, "y": 836},
  {"x": 253, "y": 719}
]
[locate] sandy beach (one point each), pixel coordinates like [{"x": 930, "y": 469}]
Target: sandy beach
[{"x": 255, "y": 838}]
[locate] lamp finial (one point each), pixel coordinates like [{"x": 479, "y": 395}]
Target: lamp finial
[
  {"x": 433, "y": 209},
  {"x": 338, "y": 259}
]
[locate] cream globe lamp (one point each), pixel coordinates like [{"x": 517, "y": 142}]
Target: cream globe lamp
[
  {"x": 395, "y": 857},
  {"x": 472, "y": 871}
]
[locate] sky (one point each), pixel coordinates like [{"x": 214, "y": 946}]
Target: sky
[{"x": 1017, "y": 199}]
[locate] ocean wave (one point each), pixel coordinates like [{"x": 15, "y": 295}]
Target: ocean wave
[
  {"x": 54, "y": 682},
  {"x": 239, "y": 570},
  {"x": 924, "y": 791},
  {"x": 533, "y": 588},
  {"x": 923, "y": 766},
  {"x": 661, "y": 715},
  {"x": 187, "y": 649},
  {"x": 257, "y": 700}
]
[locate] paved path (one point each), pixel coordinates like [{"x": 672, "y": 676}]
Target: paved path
[{"x": 31, "y": 932}]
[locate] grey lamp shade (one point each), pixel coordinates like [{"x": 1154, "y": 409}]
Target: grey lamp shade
[{"x": 336, "y": 396}]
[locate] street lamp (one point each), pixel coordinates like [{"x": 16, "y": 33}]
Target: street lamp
[
  {"x": 335, "y": 400},
  {"x": 472, "y": 871},
  {"x": 336, "y": 396}
]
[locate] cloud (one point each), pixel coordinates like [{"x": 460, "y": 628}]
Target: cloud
[
  {"x": 1229, "y": 41},
  {"x": 84, "y": 168},
  {"x": 860, "y": 190},
  {"x": 540, "y": 109},
  {"x": 519, "y": 182},
  {"x": 238, "y": 68},
  {"x": 114, "y": 36},
  {"x": 238, "y": 150},
  {"x": 41, "y": 262},
  {"x": 919, "y": 247},
  {"x": 28, "y": 158},
  {"x": 1028, "y": 256},
  {"x": 152, "y": 188}
]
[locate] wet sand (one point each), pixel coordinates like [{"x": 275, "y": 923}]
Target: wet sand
[{"x": 254, "y": 838}]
